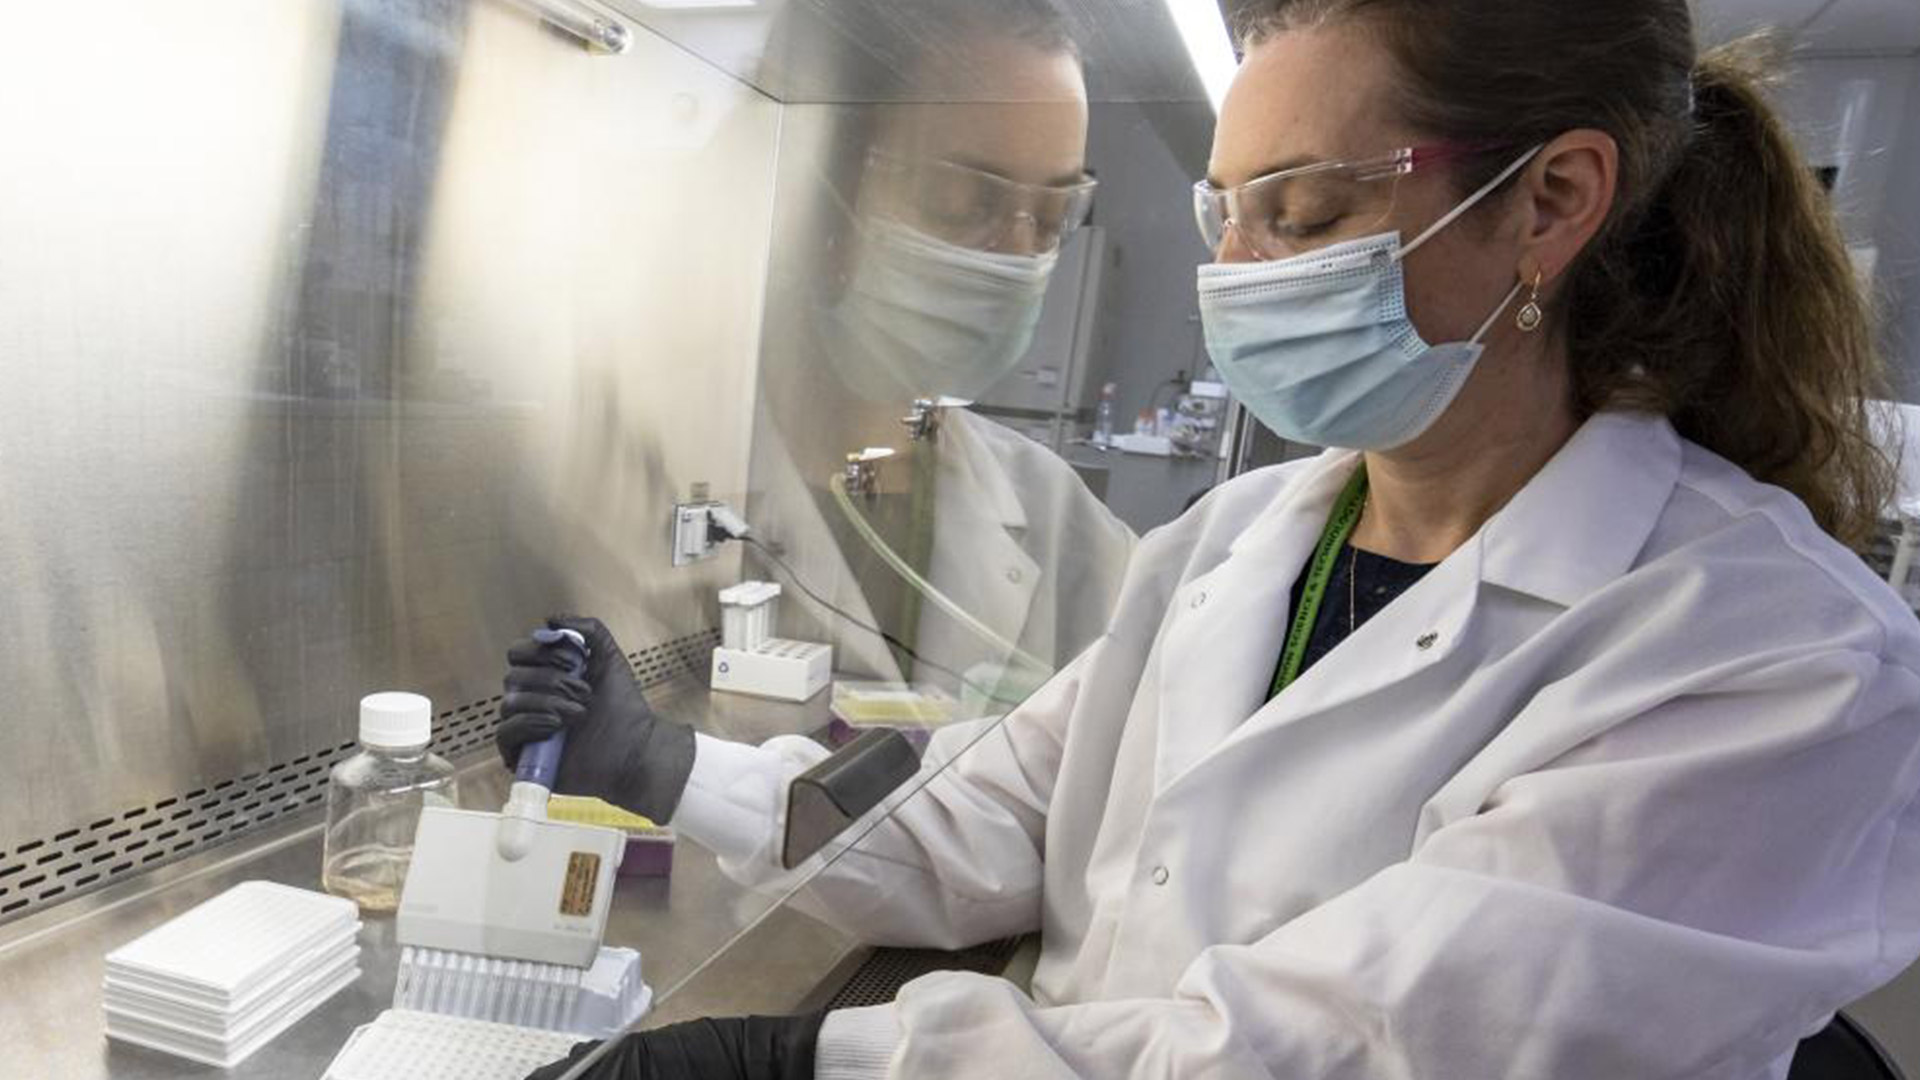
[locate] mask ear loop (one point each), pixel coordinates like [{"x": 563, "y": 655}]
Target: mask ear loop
[
  {"x": 1473, "y": 200},
  {"x": 1487, "y": 327},
  {"x": 1455, "y": 214}
]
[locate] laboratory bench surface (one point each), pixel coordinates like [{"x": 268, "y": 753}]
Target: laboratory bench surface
[{"x": 51, "y": 965}]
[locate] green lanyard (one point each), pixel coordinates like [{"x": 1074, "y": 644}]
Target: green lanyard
[{"x": 1346, "y": 514}]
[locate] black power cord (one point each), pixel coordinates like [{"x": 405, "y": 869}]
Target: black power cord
[{"x": 801, "y": 584}]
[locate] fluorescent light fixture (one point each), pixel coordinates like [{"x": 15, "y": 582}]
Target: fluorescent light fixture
[
  {"x": 600, "y": 32},
  {"x": 1203, "y": 29}
]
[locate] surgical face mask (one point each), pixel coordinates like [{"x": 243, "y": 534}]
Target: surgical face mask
[
  {"x": 923, "y": 317},
  {"x": 1320, "y": 349}
]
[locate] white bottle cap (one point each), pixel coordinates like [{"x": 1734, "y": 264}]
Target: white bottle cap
[{"x": 393, "y": 720}]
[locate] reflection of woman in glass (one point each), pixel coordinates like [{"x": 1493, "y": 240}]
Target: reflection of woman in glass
[{"x": 936, "y": 230}]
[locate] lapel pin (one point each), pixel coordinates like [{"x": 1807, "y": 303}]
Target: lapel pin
[{"x": 1427, "y": 640}]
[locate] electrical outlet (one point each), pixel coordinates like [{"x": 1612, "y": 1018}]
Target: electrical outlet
[
  {"x": 699, "y": 521},
  {"x": 692, "y": 541}
]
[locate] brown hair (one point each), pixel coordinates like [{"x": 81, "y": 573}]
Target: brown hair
[{"x": 1719, "y": 292}]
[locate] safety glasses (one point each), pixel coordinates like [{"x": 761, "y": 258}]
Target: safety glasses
[
  {"x": 1298, "y": 211},
  {"x": 976, "y": 209}
]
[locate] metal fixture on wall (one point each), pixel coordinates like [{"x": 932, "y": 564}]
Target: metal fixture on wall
[
  {"x": 862, "y": 476},
  {"x": 600, "y": 32},
  {"x": 923, "y": 422}
]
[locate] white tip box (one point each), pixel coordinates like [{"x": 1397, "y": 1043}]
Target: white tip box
[{"x": 776, "y": 668}]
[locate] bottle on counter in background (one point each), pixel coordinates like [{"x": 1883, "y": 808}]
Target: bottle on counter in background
[
  {"x": 1103, "y": 417},
  {"x": 374, "y": 800}
]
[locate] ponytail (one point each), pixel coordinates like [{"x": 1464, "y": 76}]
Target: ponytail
[
  {"x": 1719, "y": 292},
  {"x": 1732, "y": 307}
]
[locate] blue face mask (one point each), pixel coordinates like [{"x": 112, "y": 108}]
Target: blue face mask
[
  {"x": 923, "y": 317},
  {"x": 1319, "y": 347}
]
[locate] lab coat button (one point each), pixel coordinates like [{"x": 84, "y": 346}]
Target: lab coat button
[
  {"x": 1160, "y": 875},
  {"x": 1014, "y": 575},
  {"x": 1199, "y": 598},
  {"x": 1427, "y": 641}
]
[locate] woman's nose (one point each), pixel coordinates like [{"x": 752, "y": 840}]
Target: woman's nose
[
  {"x": 1022, "y": 236},
  {"x": 1233, "y": 247}
]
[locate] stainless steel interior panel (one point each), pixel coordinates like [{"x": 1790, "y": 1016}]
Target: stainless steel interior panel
[
  {"x": 343, "y": 340},
  {"x": 854, "y": 51}
]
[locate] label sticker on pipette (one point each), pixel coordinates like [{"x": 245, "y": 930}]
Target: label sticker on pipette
[{"x": 583, "y": 876}]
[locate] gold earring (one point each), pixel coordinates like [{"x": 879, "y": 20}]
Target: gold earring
[{"x": 1531, "y": 316}]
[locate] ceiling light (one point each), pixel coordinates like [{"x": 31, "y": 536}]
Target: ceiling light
[{"x": 1203, "y": 29}]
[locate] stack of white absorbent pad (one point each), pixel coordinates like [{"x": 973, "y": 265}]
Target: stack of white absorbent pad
[{"x": 221, "y": 981}]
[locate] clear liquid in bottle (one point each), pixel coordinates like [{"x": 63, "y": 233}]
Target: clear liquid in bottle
[{"x": 374, "y": 799}]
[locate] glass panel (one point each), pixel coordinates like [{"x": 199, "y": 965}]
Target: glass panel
[
  {"x": 981, "y": 381},
  {"x": 949, "y": 297},
  {"x": 861, "y": 51}
]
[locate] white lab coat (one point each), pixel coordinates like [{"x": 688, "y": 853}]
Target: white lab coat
[
  {"x": 1019, "y": 543},
  {"x": 1624, "y": 788}
]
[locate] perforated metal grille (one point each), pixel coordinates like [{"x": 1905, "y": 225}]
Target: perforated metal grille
[
  {"x": 77, "y": 860},
  {"x": 681, "y": 656},
  {"x": 877, "y": 981}
]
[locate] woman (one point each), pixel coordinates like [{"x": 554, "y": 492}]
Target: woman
[{"x": 1557, "y": 734}]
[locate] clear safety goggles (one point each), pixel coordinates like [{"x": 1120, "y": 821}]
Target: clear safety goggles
[
  {"x": 1298, "y": 211},
  {"x": 976, "y": 209}
]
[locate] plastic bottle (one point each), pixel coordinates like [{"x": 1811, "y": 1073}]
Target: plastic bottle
[
  {"x": 1103, "y": 417},
  {"x": 374, "y": 800}
]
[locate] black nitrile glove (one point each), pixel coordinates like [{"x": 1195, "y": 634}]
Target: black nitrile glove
[
  {"x": 617, "y": 749},
  {"x": 736, "y": 1048}
]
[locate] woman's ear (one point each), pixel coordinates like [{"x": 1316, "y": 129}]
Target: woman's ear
[{"x": 1566, "y": 195}]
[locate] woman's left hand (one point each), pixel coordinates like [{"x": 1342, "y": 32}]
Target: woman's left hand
[{"x": 746, "y": 1047}]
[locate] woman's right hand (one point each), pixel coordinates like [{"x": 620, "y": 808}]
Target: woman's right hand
[{"x": 618, "y": 749}]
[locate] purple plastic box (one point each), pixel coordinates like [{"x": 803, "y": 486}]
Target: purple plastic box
[
  {"x": 648, "y": 855},
  {"x": 840, "y": 733}
]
